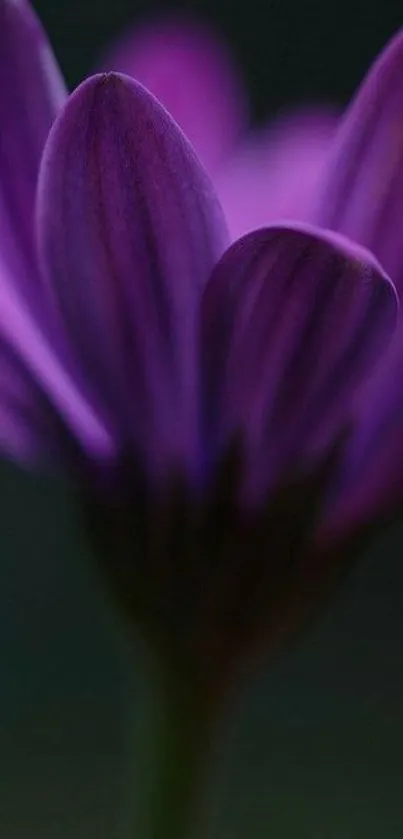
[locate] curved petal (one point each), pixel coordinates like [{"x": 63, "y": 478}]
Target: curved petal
[
  {"x": 292, "y": 320},
  {"x": 31, "y": 95},
  {"x": 194, "y": 76},
  {"x": 361, "y": 194},
  {"x": 129, "y": 230},
  {"x": 276, "y": 175}
]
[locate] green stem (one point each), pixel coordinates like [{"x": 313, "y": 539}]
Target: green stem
[{"x": 176, "y": 751}]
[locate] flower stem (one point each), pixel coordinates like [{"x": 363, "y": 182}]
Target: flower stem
[{"x": 176, "y": 751}]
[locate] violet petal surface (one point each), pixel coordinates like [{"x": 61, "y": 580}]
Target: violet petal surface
[
  {"x": 292, "y": 320},
  {"x": 129, "y": 231}
]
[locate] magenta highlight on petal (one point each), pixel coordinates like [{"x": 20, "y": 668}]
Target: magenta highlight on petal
[
  {"x": 208, "y": 400},
  {"x": 260, "y": 175},
  {"x": 193, "y": 74}
]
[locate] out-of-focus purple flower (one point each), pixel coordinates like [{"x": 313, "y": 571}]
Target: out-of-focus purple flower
[
  {"x": 200, "y": 394},
  {"x": 260, "y": 176}
]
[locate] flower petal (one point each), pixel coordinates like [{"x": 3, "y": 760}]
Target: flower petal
[
  {"x": 275, "y": 175},
  {"x": 129, "y": 230},
  {"x": 41, "y": 406},
  {"x": 192, "y": 73},
  {"x": 371, "y": 484},
  {"x": 23, "y": 435},
  {"x": 31, "y": 94},
  {"x": 361, "y": 194},
  {"x": 292, "y": 319}
]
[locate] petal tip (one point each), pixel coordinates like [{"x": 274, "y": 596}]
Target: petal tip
[
  {"x": 392, "y": 51},
  {"x": 191, "y": 70}
]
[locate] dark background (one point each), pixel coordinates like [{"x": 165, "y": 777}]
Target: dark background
[
  {"x": 315, "y": 748},
  {"x": 290, "y": 49}
]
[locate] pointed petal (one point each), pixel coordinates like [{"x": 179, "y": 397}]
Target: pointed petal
[
  {"x": 194, "y": 76},
  {"x": 292, "y": 320},
  {"x": 276, "y": 174},
  {"x": 31, "y": 94},
  {"x": 362, "y": 191},
  {"x": 129, "y": 230}
]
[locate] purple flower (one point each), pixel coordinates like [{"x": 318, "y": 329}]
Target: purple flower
[
  {"x": 202, "y": 396},
  {"x": 345, "y": 177},
  {"x": 259, "y": 176}
]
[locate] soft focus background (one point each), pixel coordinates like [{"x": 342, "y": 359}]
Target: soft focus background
[{"x": 316, "y": 747}]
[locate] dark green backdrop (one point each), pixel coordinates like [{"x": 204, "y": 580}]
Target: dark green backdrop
[{"x": 316, "y": 748}]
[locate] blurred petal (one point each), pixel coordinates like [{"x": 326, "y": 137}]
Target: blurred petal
[
  {"x": 192, "y": 73},
  {"x": 362, "y": 191},
  {"x": 292, "y": 320},
  {"x": 275, "y": 175},
  {"x": 23, "y": 436},
  {"x": 31, "y": 95},
  {"x": 40, "y": 404},
  {"x": 129, "y": 230},
  {"x": 372, "y": 485}
]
